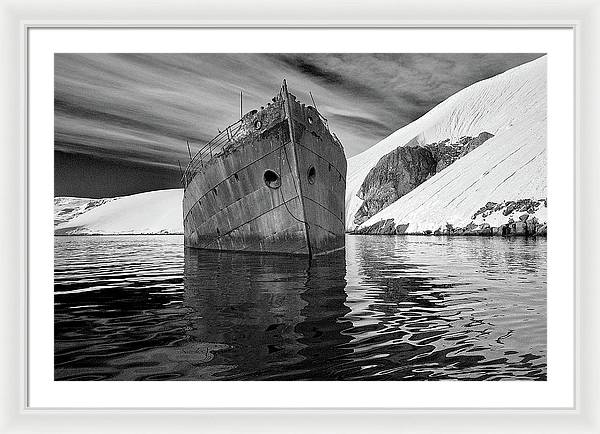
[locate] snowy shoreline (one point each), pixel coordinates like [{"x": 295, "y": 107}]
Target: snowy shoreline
[
  {"x": 496, "y": 233},
  {"x": 115, "y": 235},
  {"x": 524, "y": 217}
]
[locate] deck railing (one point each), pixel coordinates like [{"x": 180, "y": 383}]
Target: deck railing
[{"x": 225, "y": 139}]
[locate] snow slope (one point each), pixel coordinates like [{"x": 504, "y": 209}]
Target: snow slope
[
  {"x": 509, "y": 166},
  {"x": 145, "y": 213},
  {"x": 67, "y": 208}
]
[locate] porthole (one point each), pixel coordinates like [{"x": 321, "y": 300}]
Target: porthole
[
  {"x": 272, "y": 179},
  {"x": 258, "y": 125},
  {"x": 311, "y": 175},
  {"x": 310, "y": 120}
]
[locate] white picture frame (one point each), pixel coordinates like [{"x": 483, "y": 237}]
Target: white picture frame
[{"x": 16, "y": 416}]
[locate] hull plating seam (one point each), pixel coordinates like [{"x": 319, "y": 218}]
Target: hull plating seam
[
  {"x": 330, "y": 251},
  {"x": 231, "y": 176},
  {"x": 249, "y": 221},
  {"x": 325, "y": 159},
  {"x": 288, "y": 111},
  {"x": 326, "y": 230},
  {"x": 326, "y": 209},
  {"x": 307, "y": 225}
]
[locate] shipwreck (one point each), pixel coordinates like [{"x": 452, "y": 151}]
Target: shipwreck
[{"x": 272, "y": 182}]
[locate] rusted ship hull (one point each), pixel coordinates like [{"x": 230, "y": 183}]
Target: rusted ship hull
[{"x": 274, "y": 184}]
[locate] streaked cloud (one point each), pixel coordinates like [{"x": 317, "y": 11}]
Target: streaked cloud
[{"x": 141, "y": 108}]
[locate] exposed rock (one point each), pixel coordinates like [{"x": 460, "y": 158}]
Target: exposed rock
[
  {"x": 520, "y": 228},
  {"x": 446, "y": 153},
  {"x": 396, "y": 174},
  {"x": 476, "y": 142},
  {"x": 510, "y": 207},
  {"x": 470, "y": 227},
  {"x": 514, "y": 224},
  {"x": 377, "y": 198},
  {"x": 401, "y": 228},
  {"x": 541, "y": 230},
  {"x": 405, "y": 168},
  {"x": 474, "y": 229},
  {"x": 382, "y": 227},
  {"x": 485, "y": 229}
]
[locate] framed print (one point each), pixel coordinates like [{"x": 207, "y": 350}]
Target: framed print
[{"x": 355, "y": 224}]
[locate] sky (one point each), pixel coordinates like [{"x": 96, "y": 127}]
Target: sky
[{"x": 122, "y": 120}]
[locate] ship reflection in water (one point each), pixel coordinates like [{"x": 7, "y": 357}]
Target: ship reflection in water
[{"x": 390, "y": 308}]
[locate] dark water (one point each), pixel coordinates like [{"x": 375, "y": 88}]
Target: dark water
[{"x": 391, "y": 308}]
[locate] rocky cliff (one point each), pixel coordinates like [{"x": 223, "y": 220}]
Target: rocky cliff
[
  {"x": 406, "y": 167},
  {"x": 393, "y": 176}
]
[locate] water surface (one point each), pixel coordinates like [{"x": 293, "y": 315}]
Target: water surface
[{"x": 390, "y": 308}]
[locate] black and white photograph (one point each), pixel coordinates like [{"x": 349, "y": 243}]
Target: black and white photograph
[{"x": 300, "y": 216}]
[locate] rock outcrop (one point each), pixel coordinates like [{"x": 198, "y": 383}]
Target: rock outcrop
[
  {"x": 446, "y": 153},
  {"x": 405, "y": 168},
  {"x": 508, "y": 218},
  {"x": 509, "y": 207},
  {"x": 393, "y": 176}
]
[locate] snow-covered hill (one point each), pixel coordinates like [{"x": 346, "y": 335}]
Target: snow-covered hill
[
  {"x": 67, "y": 208},
  {"x": 155, "y": 212},
  {"x": 509, "y": 166}
]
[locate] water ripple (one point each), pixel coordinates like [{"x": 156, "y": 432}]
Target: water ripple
[{"x": 391, "y": 308}]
